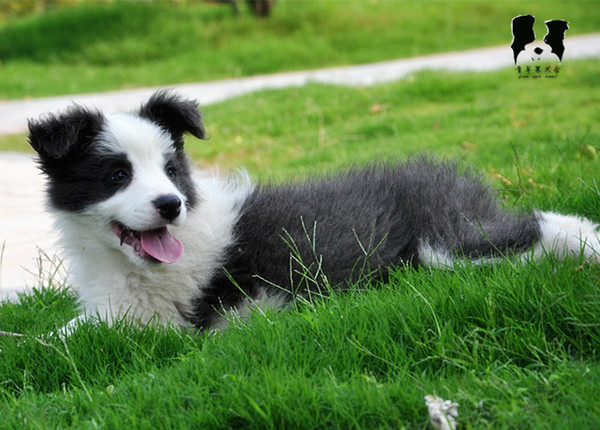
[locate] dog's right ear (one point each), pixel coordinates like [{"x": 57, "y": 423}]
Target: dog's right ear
[{"x": 56, "y": 136}]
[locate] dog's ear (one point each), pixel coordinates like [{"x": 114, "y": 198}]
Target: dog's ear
[
  {"x": 55, "y": 136},
  {"x": 175, "y": 114}
]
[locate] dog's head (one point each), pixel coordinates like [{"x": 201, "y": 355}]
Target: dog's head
[{"x": 125, "y": 175}]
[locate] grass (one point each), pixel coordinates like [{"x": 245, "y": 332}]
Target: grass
[
  {"x": 515, "y": 344},
  {"x": 478, "y": 117},
  {"x": 116, "y": 45}
]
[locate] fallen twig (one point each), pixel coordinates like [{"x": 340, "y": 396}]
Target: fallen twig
[
  {"x": 10, "y": 334},
  {"x": 7, "y": 333}
]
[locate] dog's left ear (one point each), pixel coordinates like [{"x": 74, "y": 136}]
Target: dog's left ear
[{"x": 175, "y": 114}]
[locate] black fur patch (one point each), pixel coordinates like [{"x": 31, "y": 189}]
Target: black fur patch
[
  {"x": 182, "y": 177},
  {"x": 175, "y": 114},
  {"x": 65, "y": 145},
  {"x": 357, "y": 225}
]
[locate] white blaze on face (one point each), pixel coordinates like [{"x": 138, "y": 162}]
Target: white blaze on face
[
  {"x": 133, "y": 222},
  {"x": 147, "y": 148}
]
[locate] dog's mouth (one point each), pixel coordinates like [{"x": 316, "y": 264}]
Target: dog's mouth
[{"x": 157, "y": 245}]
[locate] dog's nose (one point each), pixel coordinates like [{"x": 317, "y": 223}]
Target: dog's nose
[{"x": 169, "y": 206}]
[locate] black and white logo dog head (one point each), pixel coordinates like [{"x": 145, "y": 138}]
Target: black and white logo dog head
[{"x": 523, "y": 35}]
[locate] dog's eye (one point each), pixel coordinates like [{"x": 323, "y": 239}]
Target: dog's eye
[
  {"x": 171, "y": 171},
  {"x": 119, "y": 176}
]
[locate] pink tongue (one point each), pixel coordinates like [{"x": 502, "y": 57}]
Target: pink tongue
[{"x": 161, "y": 245}]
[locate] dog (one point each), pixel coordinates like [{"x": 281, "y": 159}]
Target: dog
[{"x": 149, "y": 238}]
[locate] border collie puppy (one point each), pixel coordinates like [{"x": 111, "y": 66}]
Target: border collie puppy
[{"x": 149, "y": 238}]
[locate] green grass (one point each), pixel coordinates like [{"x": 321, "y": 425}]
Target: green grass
[
  {"x": 97, "y": 47},
  {"x": 515, "y": 344}
]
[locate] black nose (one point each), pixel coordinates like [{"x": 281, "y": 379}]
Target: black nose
[{"x": 169, "y": 206}]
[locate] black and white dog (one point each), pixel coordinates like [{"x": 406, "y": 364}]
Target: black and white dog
[{"x": 149, "y": 238}]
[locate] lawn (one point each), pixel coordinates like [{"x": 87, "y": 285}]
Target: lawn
[
  {"x": 126, "y": 44},
  {"x": 515, "y": 344}
]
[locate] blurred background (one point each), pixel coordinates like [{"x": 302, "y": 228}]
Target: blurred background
[{"x": 50, "y": 47}]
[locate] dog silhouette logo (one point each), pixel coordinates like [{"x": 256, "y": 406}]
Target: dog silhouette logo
[{"x": 523, "y": 35}]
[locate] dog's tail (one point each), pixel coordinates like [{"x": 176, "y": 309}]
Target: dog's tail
[
  {"x": 547, "y": 233},
  {"x": 564, "y": 235}
]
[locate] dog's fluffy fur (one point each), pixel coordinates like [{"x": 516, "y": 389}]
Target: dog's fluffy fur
[{"x": 126, "y": 201}]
